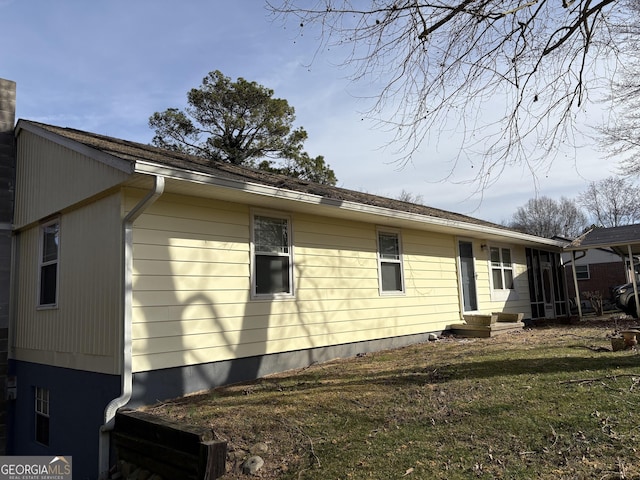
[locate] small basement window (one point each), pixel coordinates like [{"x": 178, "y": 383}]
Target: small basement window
[{"x": 42, "y": 415}]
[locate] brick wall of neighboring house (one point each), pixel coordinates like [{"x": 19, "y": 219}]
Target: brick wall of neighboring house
[
  {"x": 7, "y": 175},
  {"x": 602, "y": 276}
]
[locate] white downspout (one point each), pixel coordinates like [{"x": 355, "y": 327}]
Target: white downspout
[
  {"x": 575, "y": 284},
  {"x": 633, "y": 279},
  {"x": 127, "y": 296}
]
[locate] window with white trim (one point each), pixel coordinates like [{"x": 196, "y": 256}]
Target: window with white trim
[
  {"x": 582, "y": 272},
  {"x": 49, "y": 257},
  {"x": 501, "y": 268},
  {"x": 42, "y": 415},
  {"x": 272, "y": 256},
  {"x": 390, "y": 262}
]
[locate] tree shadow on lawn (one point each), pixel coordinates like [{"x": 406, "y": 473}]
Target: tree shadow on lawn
[
  {"x": 544, "y": 365},
  {"x": 366, "y": 372},
  {"x": 605, "y": 322},
  {"x": 344, "y": 379},
  {"x": 468, "y": 366}
]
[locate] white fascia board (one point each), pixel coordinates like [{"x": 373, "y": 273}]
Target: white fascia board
[
  {"x": 364, "y": 209},
  {"x": 110, "y": 160},
  {"x": 601, "y": 246}
]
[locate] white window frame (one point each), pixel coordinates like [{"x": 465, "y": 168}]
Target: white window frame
[
  {"x": 289, "y": 247},
  {"x": 386, "y": 260},
  {"x": 41, "y": 411},
  {"x": 502, "y": 268},
  {"x": 585, "y": 270},
  {"x": 44, "y": 263}
]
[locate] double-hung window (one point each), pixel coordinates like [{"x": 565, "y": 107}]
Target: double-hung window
[
  {"x": 49, "y": 257},
  {"x": 272, "y": 266},
  {"x": 582, "y": 272},
  {"x": 501, "y": 269},
  {"x": 390, "y": 262},
  {"x": 42, "y": 415}
]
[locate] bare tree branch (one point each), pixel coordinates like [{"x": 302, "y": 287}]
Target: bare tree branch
[
  {"x": 510, "y": 76},
  {"x": 546, "y": 217},
  {"x": 612, "y": 202}
]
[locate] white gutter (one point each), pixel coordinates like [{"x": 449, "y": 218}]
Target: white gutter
[
  {"x": 344, "y": 205},
  {"x": 127, "y": 294}
]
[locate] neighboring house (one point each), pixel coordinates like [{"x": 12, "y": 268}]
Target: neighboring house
[
  {"x": 141, "y": 274},
  {"x": 597, "y": 269},
  {"x": 624, "y": 241}
]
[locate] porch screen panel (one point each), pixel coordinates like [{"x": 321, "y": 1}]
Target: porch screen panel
[
  {"x": 560, "y": 287},
  {"x": 535, "y": 285}
]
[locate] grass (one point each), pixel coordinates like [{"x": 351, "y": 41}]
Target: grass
[{"x": 549, "y": 403}]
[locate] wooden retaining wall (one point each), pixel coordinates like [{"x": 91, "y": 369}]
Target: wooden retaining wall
[{"x": 168, "y": 449}]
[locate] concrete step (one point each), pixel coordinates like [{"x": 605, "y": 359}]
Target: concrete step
[{"x": 485, "y": 331}]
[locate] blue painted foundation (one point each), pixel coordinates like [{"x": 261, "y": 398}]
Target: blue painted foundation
[
  {"x": 76, "y": 407},
  {"x": 158, "y": 385}
]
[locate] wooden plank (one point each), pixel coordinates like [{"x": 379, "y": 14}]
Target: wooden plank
[
  {"x": 172, "y": 450},
  {"x": 156, "y": 458},
  {"x": 212, "y": 459},
  {"x": 186, "y": 438}
]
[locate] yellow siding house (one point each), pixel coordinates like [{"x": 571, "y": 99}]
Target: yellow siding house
[{"x": 141, "y": 274}]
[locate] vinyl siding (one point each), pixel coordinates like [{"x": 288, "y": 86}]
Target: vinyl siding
[
  {"x": 191, "y": 286},
  {"x": 50, "y": 178},
  {"x": 518, "y": 300},
  {"x": 83, "y": 331}
]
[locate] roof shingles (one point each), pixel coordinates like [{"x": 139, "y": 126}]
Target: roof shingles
[{"x": 132, "y": 151}]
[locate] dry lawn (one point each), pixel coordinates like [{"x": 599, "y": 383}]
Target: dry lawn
[{"x": 552, "y": 402}]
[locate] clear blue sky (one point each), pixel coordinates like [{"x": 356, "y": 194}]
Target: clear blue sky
[{"x": 106, "y": 66}]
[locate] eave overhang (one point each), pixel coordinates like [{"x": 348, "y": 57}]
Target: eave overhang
[
  {"x": 131, "y": 158},
  {"x": 123, "y": 165},
  {"x": 623, "y": 240},
  {"x": 266, "y": 196}
]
